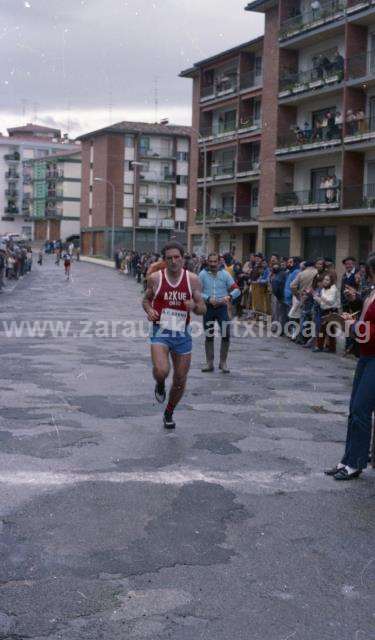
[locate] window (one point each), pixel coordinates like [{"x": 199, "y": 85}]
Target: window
[
  {"x": 181, "y": 203},
  {"x": 182, "y": 180},
  {"x": 319, "y": 241},
  {"x": 182, "y": 156},
  {"x": 144, "y": 143},
  {"x": 228, "y": 203},
  {"x": 257, "y": 105},
  {"x": 254, "y": 196},
  {"x": 142, "y": 215},
  {"x": 143, "y": 190},
  {"x": 129, "y": 141},
  {"x": 128, "y": 188},
  {"x": 258, "y": 65},
  {"x": 227, "y": 121},
  {"x": 180, "y": 226},
  {"x": 277, "y": 241},
  {"x": 128, "y": 165}
]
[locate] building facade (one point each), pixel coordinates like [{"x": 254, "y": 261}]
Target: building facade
[
  {"x": 23, "y": 144},
  {"x": 52, "y": 198},
  {"x": 315, "y": 145},
  {"x": 227, "y": 120},
  {"x": 318, "y": 152},
  {"x": 138, "y": 176}
]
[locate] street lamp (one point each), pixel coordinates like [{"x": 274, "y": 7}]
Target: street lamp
[
  {"x": 156, "y": 237},
  {"x": 201, "y": 140},
  {"x": 113, "y": 213}
]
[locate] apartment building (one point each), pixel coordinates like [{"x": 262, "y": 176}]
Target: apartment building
[
  {"x": 135, "y": 176},
  {"x": 227, "y": 115},
  {"x": 52, "y": 195},
  {"x": 22, "y": 144},
  {"x": 317, "y": 184}
]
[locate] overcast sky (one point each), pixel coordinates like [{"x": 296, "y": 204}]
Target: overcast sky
[{"x": 81, "y": 64}]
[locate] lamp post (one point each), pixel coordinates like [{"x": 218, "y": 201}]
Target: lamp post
[
  {"x": 113, "y": 213},
  {"x": 156, "y": 237},
  {"x": 202, "y": 141}
]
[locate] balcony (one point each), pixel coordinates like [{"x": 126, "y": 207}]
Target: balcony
[
  {"x": 52, "y": 194},
  {"x": 248, "y": 168},
  {"x": 250, "y": 80},
  {"x": 328, "y": 12},
  {"x": 27, "y": 179},
  {"x": 221, "y": 88},
  {"x": 153, "y": 202},
  {"x": 150, "y": 223},
  {"x": 52, "y": 175},
  {"x": 157, "y": 155},
  {"x": 359, "y": 129},
  {"x": 241, "y": 215},
  {"x": 11, "y": 210},
  {"x": 219, "y": 131},
  {"x": 361, "y": 66},
  {"x": 11, "y": 193},
  {"x": 316, "y": 200},
  {"x": 249, "y": 124},
  {"x": 360, "y": 197},
  {"x": 11, "y": 176},
  {"x": 12, "y": 157},
  {"x": 297, "y": 83},
  {"x": 149, "y": 177},
  {"x": 299, "y": 140},
  {"x": 53, "y": 213}
]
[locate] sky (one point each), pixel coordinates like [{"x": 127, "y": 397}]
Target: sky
[{"x": 83, "y": 64}]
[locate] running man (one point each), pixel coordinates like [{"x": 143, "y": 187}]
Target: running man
[
  {"x": 67, "y": 264},
  {"x": 171, "y": 295}
]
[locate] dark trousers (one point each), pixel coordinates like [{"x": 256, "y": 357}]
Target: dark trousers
[
  {"x": 219, "y": 315},
  {"x": 362, "y": 406}
]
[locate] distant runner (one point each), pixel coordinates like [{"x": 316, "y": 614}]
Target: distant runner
[
  {"x": 171, "y": 294},
  {"x": 67, "y": 264}
]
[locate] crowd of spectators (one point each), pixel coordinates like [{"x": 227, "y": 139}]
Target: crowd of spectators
[
  {"x": 327, "y": 127},
  {"x": 301, "y": 293},
  {"x": 15, "y": 260}
]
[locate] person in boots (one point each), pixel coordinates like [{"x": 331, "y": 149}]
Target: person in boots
[{"x": 219, "y": 290}]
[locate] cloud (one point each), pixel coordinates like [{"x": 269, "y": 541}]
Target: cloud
[{"x": 89, "y": 58}]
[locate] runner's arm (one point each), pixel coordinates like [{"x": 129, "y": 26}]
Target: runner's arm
[
  {"x": 152, "y": 315},
  {"x": 197, "y": 304}
]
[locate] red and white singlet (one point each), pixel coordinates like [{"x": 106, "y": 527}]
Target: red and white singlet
[{"x": 169, "y": 302}]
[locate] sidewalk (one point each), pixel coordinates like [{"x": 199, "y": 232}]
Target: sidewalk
[{"x": 100, "y": 261}]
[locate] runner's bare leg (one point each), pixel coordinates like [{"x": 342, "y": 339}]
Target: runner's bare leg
[
  {"x": 160, "y": 362},
  {"x": 181, "y": 366}
]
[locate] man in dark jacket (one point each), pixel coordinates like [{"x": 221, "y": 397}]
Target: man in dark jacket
[{"x": 278, "y": 277}]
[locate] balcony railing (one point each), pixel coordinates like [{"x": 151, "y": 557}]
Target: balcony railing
[
  {"x": 359, "y": 197},
  {"x": 223, "y": 170},
  {"x": 54, "y": 175},
  {"x": 359, "y": 128},
  {"x": 300, "y": 81},
  {"x": 312, "y": 18},
  {"x": 152, "y": 153},
  {"x": 153, "y": 202},
  {"x": 150, "y": 177},
  {"x": 53, "y": 213},
  {"x": 243, "y": 213},
  {"x": 166, "y": 223},
  {"x": 248, "y": 166},
  {"x": 361, "y": 65},
  {"x": 11, "y": 193},
  {"x": 312, "y": 199},
  {"x": 298, "y": 139},
  {"x": 231, "y": 85},
  {"x": 11, "y": 175},
  {"x": 250, "y": 122},
  {"x": 12, "y": 157}
]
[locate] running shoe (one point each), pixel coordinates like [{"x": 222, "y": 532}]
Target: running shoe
[
  {"x": 169, "y": 423},
  {"x": 160, "y": 393}
]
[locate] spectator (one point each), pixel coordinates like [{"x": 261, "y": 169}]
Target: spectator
[
  {"x": 277, "y": 279},
  {"x": 293, "y": 269},
  {"x": 327, "y": 299}
]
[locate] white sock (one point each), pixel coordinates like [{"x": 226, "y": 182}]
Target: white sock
[
  {"x": 340, "y": 465},
  {"x": 350, "y": 469}
]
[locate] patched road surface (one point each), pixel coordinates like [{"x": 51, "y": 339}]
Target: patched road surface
[{"x": 227, "y": 529}]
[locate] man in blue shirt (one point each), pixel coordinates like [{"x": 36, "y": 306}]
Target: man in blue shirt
[{"x": 219, "y": 289}]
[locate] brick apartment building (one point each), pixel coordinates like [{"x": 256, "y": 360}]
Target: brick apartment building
[
  {"x": 147, "y": 167},
  {"x": 227, "y": 113},
  {"x": 316, "y": 187}
]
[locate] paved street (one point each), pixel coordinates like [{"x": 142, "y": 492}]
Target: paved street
[{"x": 112, "y": 529}]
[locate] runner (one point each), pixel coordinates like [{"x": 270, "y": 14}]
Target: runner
[
  {"x": 67, "y": 264},
  {"x": 170, "y": 296}
]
